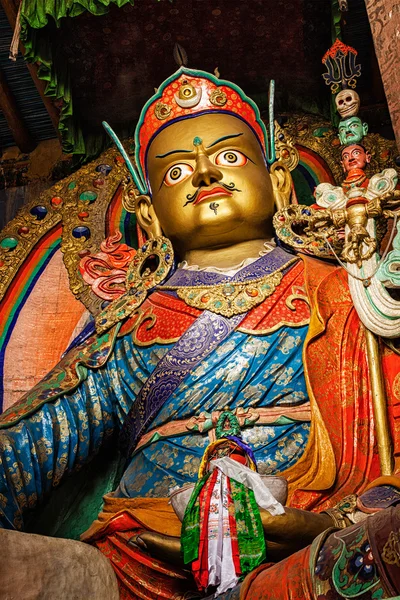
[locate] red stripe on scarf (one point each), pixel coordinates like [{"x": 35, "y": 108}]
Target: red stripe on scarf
[
  {"x": 233, "y": 530},
  {"x": 200, "y": 566}
]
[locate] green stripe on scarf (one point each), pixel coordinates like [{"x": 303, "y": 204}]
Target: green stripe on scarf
[
  {"x": 190, "y": 536},
  {"x": 250, "y": 532}
]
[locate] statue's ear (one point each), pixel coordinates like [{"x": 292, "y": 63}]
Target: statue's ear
[
  {"x": 365, "y": 128},
  {"x": 281, "y": 184},
  {"x": 146, "y": 216}
]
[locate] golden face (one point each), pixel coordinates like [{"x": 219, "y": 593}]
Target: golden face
[{"x": 210, "y": 186}]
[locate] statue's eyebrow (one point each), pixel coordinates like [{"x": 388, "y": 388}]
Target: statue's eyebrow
[
  {"x": 172, "y": 152},
  {"x": 222, "y": 139}
]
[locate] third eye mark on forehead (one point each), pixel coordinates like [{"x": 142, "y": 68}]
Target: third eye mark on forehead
[{"x": 221, "y": 139}]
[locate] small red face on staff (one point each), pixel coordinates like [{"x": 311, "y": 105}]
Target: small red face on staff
[{"x": 355, "y": 157}]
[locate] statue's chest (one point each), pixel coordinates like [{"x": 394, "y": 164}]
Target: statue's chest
[{"x": 164, "y": 317}]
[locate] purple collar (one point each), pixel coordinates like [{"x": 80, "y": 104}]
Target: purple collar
[{"x": 263, "y": 266}]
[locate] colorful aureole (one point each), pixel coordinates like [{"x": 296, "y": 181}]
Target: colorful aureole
[
  {"x": 21, "y": 287},
  {"x": 310, "y": 172},
  {"x": 118, "y": 219},
  {"x": 189, "y": 93}
]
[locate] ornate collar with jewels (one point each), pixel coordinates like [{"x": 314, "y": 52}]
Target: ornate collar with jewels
[{"x": 215, "y": 292}]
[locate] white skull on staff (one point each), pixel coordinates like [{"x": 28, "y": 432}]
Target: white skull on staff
[{"x": 347, "y": 103}]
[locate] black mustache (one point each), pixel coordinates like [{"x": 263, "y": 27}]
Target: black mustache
[{"x": 228, "y": 186}]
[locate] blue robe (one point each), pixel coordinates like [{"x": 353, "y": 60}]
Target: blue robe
[{"x": 243, "y": 371}]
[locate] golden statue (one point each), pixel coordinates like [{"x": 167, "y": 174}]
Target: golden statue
[{"x": 224, "y": 360}]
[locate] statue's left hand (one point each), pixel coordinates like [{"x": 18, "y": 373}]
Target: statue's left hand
[{"x": 292, "y": 531}]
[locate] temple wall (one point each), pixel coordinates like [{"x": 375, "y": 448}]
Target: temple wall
[
  {"x": 384, "y": 17},
  {"x": 24, "y": 176}
]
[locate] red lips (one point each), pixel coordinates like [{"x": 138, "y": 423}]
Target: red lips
[{"x": 217, "y": 191}]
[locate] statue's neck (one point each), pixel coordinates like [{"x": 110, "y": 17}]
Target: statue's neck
[{"x": 225, "y": 258}]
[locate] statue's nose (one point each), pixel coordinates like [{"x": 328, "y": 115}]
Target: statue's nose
[{"x": 206, "y": 172}]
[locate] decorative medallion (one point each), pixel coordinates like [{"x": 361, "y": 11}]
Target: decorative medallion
[
  {"x": 227, "y": 424},
  {"x": 188, "y": 96},
  {"x": 162, "y": 111},
  {"x": 218, "y": 97}
]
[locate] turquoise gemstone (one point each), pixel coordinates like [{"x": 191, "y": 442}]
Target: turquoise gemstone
[
  {"x": 9, "y": 242},
  {"x": 88, "y": 196}
]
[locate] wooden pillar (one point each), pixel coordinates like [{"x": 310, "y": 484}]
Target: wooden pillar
[
  {"x": 15, "y": 121},
  {"x": 384, "y": 18},
  {"x": 11, "y": 10}
]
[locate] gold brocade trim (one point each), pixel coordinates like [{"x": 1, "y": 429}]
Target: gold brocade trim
[
  {"x": 233, "y": 297},
  {"x": 143, "y": 316},
  {"x": 273, "y": 328}
]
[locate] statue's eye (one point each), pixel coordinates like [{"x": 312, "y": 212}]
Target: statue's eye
[
  {"x": 177, "y": 173},
  {"x": 231, "y": 158}
]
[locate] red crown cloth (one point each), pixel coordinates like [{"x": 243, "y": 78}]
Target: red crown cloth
[{"x": 188, "y": 93}]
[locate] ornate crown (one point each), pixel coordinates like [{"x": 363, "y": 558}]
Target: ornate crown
[{"x": 190, "y": 93}]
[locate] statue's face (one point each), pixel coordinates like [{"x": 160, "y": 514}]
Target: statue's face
[
  {"x": 352, "y": 131},
  {"x": 355, "y": 157},
  {"x": 210, "y": 186}
]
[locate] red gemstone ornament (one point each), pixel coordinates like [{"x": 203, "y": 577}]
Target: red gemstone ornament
[
  {"x": 23, "y": 230},
  {"x": 56, "y": 201},
  {"x": 83, "y": 215},
  {"x": 98, "y": 183},
  {"x": 83, "y": 253}
]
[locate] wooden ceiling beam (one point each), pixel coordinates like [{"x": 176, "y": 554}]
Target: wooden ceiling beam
[
  {"x": 15, "y": 121},
  {"x": 11, "y": 9}
]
